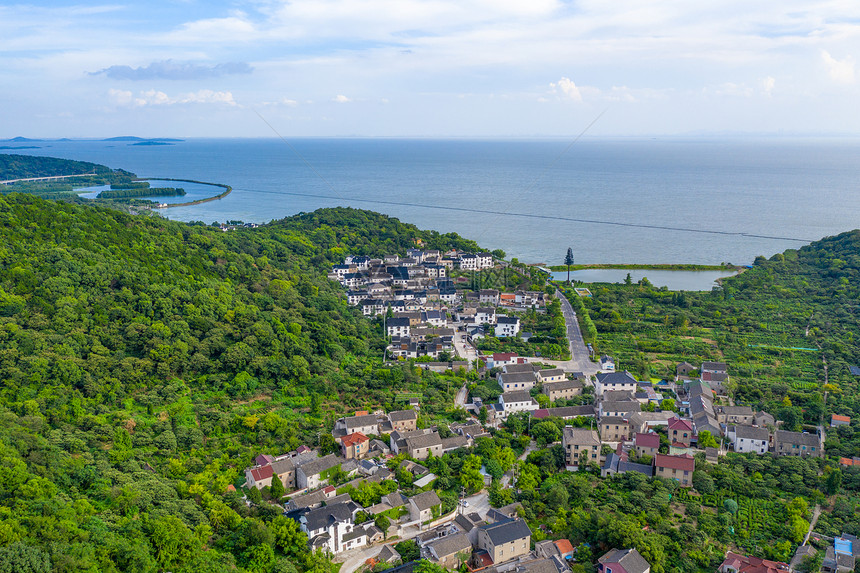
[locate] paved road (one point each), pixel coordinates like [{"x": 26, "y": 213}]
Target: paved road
[
  {"x": 580, "y": 360},
  {"x": 464, "y": 350},
  {"x": 462, "y": 396}
]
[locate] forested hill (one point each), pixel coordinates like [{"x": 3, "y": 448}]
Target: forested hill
[
  {"x": 14, "y": 166},
  {"x": 145, "y": 362}
]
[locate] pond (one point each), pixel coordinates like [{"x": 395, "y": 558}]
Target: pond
[{"x": 673, "y": 280}]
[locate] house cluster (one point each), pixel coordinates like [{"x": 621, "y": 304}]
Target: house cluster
[
  {"x": 421, "y": 297},
  {"x": 624, "y": 419},
  {"x": 404, "y": 283}
]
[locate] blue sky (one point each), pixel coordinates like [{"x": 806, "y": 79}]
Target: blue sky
[{"x": 438, "y": 68}]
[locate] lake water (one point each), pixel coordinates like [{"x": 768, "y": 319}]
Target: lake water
[
  {"x": 673, "y": 280},
  {"x": 193, "y": 191},
  {"x": 613, "y": 201}
]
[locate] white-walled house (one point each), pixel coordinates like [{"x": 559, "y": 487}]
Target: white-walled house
[
  {"x": 332, "y": 527},
  {"x": 749, "y": 439},
  {"x": 507, "y": 326}
]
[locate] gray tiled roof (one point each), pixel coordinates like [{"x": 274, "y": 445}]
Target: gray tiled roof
[
  {"x": 325, "y": 516},
  {"x": 451, "y": 545},
  {"x": 629, "y": 559},
  {"x": 507, "y": 531},
  {"x": 425, "y": 500},
  {"x": 320, "y": 465}
]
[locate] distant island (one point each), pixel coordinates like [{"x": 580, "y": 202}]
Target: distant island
[
  {"x": 19, "y": 147},
  {"x": 151, "y": 143},
  {"x": 142, "y": 139}
]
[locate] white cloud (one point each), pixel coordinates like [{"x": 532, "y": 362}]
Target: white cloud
[
  {"x": 568, "y": 88},
  {"x": 340, "y": 98},
  {"x": 767, "y": 85},
  {"x": 841, "y": 71},
  {"x": 125, "y": 98}
]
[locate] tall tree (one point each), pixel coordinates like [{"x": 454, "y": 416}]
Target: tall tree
[{"x": 568, "y": 260}]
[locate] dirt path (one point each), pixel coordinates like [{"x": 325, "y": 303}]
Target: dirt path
[{"x": 812, "y": 523}]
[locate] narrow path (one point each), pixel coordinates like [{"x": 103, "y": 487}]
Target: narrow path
[
  {"x": 580, "y": 359},
  {"x": 812, "y": 523},
  {"x": 460, "y": 400}
]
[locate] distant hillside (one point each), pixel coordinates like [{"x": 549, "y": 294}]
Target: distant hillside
[{"x": 14, "y": 166}]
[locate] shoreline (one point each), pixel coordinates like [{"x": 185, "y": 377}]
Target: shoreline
[
  {"x": 227, "y": 190},
  {"x": 649, "y": 267}
]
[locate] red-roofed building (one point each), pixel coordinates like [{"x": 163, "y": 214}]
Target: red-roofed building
[
  {"x": 646, "y": 444},
  {"x": 354, "y": 446},
  {"x": 735, "y": 563},
  {"x": 541, "y": 413},
  {"x": 849, "y": 462},
  {"x": 565, "y": 548},
  {"x": 680, "y": 431},
  {"x": 499, "y": 359},
  {"x": 259, "y": 477},
  {"x": 679, "y": 468},
  {"x": 839, "y": 420}
]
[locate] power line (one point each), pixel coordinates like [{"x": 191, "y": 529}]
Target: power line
[{"x": 531, "y": 215}]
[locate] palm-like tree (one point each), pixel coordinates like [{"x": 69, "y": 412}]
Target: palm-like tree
[{"x": 568, "y": 260}]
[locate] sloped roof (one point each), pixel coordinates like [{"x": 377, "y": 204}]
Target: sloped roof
[
  {"x": 325, "y": 516},
  {"x": 507, "y": 531},
  {"x": 352, "y": 439},
  {"x": 649, "y": 440},
  {"x": 629, "y": 559},
  {"x": 360, "y": 421},
  {"x": 451, "y": 545},
  {"x": 425, "y": 500},
  {"x": 684, "y": 462},
  {"x": 402, "y": 415}
]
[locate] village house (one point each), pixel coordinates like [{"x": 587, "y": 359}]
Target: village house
[
  {"x": 367, "y": 424},
  {"x": 743, "y": 415},
  {"x": 614, "y": 429},
  {"x": 449, "y": 551},
  {"x": 805, "y": 445},
  {"x": 484, "y": 260},
  {"x": 259, "y": 477},
  {"x": 515, "y": 368},
  {"x": 564, "y": 390},
  {"x": 420, "y": 447},
  {"x": 620, "y": 464},
  {"x": 565, "y": 412},
  {"x": 354, "y": 446},
  {"x": 607, "y": 381},
  {"x": 839, "y": 420},
  {"x": 607, "y": 363},
  {"x": 507, "y": 326},
  {"x": 425, "y": 506},
  {"x": 684, "y": 369},
  {"x": 679, "y": 468},
  {"x": 314, "y": 473},
  {"x": 680, "y": 431},
  {"x": 580, "y": 445},
  {"x": 736, "y": 563},
  {"x": 505, "y": 540},
  {"x": 332, "y": 528},
  {"x": 623, "y": 561},
  {"x": 551, "y": 375},
  {"x": 646, "y": 444},
  {"x": 398, "y": 326},
  {"x": 403, "y": 420},
  {"x": 746, "y": 439},
  {"x": 489, "y": 296},
  {"x": 516, "y": 381},
  {"x": 512, "y": 402},
  {"x": 502, "y": 360},
  {"x": 621, "y": 408}
]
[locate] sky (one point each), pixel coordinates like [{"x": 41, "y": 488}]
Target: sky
[{"x": 429, "y": 68}]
